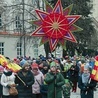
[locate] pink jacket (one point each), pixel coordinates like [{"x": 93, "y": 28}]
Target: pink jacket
[{"x": 38, "y": 80}]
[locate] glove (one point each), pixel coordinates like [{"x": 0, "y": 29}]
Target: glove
[
  {"x": 8, "y": 86},
  {"x": 88, "y": 85},
  {"x": 55, "y": 85},
  {"x": 55, "y": 76},
  {"x": 25, "y": 87},
  {"x": 85, "y": 88}
]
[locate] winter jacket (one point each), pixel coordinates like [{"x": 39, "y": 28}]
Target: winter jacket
[
  {"x": 73, "y": 73},
  {"x": 86, "y": 91},
  {"x": 54, "y": 88},
  {"x": 0, "y": 87},
  {"x": 7, "y": 80},
  {"x": 25, "y": 91},
  {"x": 39, "y": 78}
]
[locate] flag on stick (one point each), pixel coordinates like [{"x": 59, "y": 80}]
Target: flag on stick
[{"x": 94, "y": 74}]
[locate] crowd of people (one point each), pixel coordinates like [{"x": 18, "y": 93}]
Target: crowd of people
[{"x": 49, "y": 77}]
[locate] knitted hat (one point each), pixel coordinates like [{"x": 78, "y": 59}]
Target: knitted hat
[
  {"x": 45, "y": 64},
  {"x": 22, "y": 62},
  {"x": 53, "y": 63},
  {"x": 34, "y": 65},
  {"x": 96, "y": 58},
  {"x": 25, "y": 64}
]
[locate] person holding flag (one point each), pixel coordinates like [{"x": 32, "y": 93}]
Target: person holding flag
[{"x": 86, "y": 84}]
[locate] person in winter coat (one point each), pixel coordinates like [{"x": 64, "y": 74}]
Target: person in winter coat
[
  {"x": 73, "y": 74},
  {"x": 67, "y": 88},
  {"x": 7, "y": 79},
  {"x": 25, "y": 79},
  {"x": 39, "y": 78},
  {"x": 54, "y": 80},
  {"x": 86, "y": 85},
  {"x": 44, "y": 86},
  {"x": 45, "y": 68},
  {"x": 67, "y": 66},
  {"x": 1, "y": 72}
]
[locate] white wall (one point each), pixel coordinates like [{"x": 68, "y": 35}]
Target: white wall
[
  {"x": 10, "y": 49},
  {"x": 95, "y": 9}
]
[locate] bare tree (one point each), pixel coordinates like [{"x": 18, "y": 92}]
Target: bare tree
[{"x": 17, "y": 16}]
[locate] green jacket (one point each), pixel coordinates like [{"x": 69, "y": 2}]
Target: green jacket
[
  {"x": 67, "y": 67},
  {"x": 49, "y": 79}
]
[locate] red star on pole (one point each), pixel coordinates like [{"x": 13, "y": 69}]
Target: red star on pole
[{"x": 56, "y": 25}]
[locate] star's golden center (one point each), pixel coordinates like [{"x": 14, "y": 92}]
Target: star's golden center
[{"x": 55, "y": 25}]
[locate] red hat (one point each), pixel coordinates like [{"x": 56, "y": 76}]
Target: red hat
[
  {"x": 34, "y": 65},
  {"x": 96, "y": 58}
]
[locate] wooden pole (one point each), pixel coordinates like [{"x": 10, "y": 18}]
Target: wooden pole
[{"x": 55, "y": 79}]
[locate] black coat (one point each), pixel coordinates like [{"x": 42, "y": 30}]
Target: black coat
[
  {"x": 73, "y": 74},
  {"x": 0, "y": 88},
  {"x": 86, "y": 91},
  {"x": 25, "y": 91}
]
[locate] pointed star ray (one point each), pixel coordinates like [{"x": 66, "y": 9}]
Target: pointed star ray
[
  {"x": 72, "y": 18},
  {"x": 38, "y": 32},
  {"x": 58, "y": 8},
  {"x": 67, "y": 10},
  {"x": 41, "y": 14},
  {"x": 49, "y": 8},
  {"x": 37, "y": 22},
  {"x": 53, "y": 43},
  {"x": 69, "y": 36},
  {"x": 75, "y": 28}
]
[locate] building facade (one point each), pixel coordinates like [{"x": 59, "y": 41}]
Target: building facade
[
  {"x": 95, "y": 9},
  {"x": 15, "y": 28}
]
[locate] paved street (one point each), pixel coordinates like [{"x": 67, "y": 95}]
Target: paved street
[{"x": 77, "y": 94}]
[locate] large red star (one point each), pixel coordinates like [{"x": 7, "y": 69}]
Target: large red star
[{"x": 56, "y": 25}]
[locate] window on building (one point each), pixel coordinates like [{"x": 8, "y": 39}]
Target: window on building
[
  {"x": 19, "y": 49},
  {"x": 0, "y": 20},
  {"x": 2, "y": 48},
  {"x": 18, "y": 25}
]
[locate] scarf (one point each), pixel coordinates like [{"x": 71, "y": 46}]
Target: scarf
[
  {"x": 9, "y": 73},
  {"x": 85, "y": 78}
]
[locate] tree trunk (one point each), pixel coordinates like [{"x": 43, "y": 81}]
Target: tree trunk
[{"x": 47, "y": 49}]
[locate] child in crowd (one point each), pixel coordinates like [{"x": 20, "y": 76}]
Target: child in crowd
[{"x": 67, "y": 88}]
